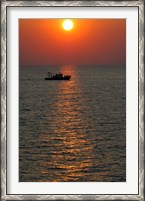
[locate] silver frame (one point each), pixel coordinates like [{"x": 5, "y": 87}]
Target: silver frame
[{"x": 4, "y": 195}]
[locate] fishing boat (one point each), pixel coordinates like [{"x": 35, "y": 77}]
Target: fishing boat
[{"x": 58, "y": 76}]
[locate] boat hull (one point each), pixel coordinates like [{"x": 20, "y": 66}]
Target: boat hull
[{"x": 58, "y": 78}]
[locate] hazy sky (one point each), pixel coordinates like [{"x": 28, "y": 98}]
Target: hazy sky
[{"x": 91, "y": 41}]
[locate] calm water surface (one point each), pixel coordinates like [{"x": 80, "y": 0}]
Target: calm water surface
[{"x": 72, "y": 130}]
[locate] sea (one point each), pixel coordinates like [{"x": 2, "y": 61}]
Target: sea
[{"x": 72, "y": 131}]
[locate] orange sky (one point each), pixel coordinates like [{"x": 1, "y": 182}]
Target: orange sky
[{"x": 91, "y": 41}]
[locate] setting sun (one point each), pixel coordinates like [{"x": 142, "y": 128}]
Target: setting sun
[{"x": 67, "y": 25}]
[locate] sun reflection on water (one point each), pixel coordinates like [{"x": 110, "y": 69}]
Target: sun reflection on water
[{"x": 72, "y": 155}]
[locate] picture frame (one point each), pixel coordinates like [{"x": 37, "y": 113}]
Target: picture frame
[{"x": 5, "y": 123}]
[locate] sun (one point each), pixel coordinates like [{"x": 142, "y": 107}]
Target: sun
[{"x": 67, "y": 24}]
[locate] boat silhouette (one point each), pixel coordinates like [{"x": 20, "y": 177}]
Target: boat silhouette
[{"x": 58, "y": 76}]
